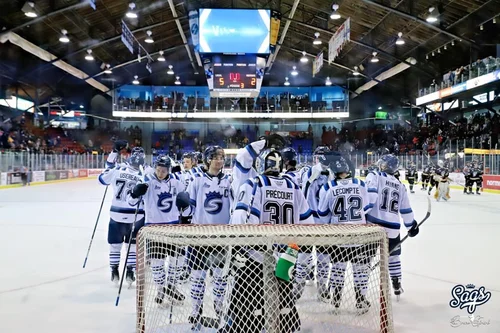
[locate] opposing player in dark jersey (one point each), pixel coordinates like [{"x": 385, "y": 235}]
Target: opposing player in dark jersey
[
  {"x": 426, "y": 176},
  {"x": 266, "y": 199},
  {"x": 411, "y": 175},
  {"x": 476, "y": 177}
]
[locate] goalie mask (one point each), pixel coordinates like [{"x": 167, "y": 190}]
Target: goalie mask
[
  {"x": 137, "y": 157},
  {"x": 269, "y": 161}
]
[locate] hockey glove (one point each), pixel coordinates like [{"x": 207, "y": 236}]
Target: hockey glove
[
  {"x": 275, "y": 141},
  {"x": 186, "y": 219},
  {"x": 182, "y": 201},
  {"x": 119, "y": 145},
  {"x": 413, "y": 231},
  {"x": 139, "y": 190}
]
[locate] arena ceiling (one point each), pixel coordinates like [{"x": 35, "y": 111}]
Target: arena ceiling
[{"x": 375, "y": 24}]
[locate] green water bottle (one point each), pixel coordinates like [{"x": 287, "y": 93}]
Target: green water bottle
[{"x": 286, "y": 263}]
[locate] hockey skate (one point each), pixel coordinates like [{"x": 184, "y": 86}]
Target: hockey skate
[
  {"x": 324, "y": 294},
  {"x": 184, "y": 276},
  {"x": 169, "y": 294},
  {"x": 396, "y": 286},
  {"x": 310, "y": 277},
  {"x": 130, "y": 277},
  {"x": 477, "y": 192},
  {"x": 115, "y": 275},
  {"x": 362, "y": 304}
]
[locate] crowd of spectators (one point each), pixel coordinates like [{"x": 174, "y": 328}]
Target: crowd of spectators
[
  {"x": 463, "y": 73},
  {"x": 266, "y": 103}
]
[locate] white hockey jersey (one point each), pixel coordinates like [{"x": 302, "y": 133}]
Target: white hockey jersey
[
  {"x": 344, "y": 201},
  {"x": 312, "y": 182},
  {"x": 271, "y": 200},
  {"x": 295, "y": 176},
  {"x": 122, "y": 179},
  {"x": 392, "y": 201},
  {"x": 210, "y": 199},
  {"x": 243, "y": 164},
  {"x": 159, "y": 200}
]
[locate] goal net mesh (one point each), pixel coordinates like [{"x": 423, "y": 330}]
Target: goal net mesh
[{"x": 223, "y": 278}]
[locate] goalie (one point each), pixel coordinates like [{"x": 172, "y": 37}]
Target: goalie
[
  {"x": 442, "y": 182},
  {"x": 267, "y": 199}
]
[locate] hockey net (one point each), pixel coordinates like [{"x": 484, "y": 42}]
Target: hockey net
[{"x": 232, "y": 287}]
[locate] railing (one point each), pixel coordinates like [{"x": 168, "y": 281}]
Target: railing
[
  {"x": 14, "y": 161},
  {"x": 468, "y": 73},
  {"x": 148, "y": 107}
]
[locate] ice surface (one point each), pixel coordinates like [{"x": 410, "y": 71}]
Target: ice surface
[{"x": 45, "y": 232}]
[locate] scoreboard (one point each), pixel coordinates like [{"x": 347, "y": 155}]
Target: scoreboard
[{"x": 235, "y": 76}]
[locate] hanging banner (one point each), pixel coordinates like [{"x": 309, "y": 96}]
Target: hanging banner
[
  {"x": 338, "y": 40},
  {"x": 317, "y": 64},
  {"x": 194, "y": 28},
  {"x": 127, "y": 37},
  {"x": 275, "y": 27}
]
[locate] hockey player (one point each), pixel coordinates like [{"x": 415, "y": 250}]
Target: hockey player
[
  {"x": 411, "y": 174},
  {"x": 432, "y": 180},
  {"x": 476, "y": 176},
  {"x": 122, "y": 178},
  {"x": 344, "y": 200},
  {"x": 466, "y": 171},
  {"x": 211, "y": 199},
  {"x": 442, "y": 182},
  {"x": 392, "y": 201},
  {"x": 266, "y": 199},
  {"x": 426, "y": 176},
  {"x": 159, "y": 192},
  {"x": 290, "y": 165},
  {"x": 244, "y": 167}
]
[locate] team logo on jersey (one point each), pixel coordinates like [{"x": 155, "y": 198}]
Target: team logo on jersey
[
  {"x": 213, "y": 203},
  {"x": 165, "y": 202}
]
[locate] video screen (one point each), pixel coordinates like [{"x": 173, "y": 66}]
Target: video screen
[{"x": 234, "y": 31}]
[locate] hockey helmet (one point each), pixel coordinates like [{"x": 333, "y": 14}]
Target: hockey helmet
[
  {"x": 211, "y": 152},
  {"x": 137, "y": 157},
  {"x": 340, "y": 166},
  {"x": 269, "y": 161},
  {"x": 289, "y": 156},
  {"x": 198, "y": 157},
  {"x": 388, "y": 164},
  {"x": 163, "y": 161},
  {"x": 319, "y": 155}
]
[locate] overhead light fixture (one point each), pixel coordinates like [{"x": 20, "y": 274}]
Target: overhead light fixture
[
  {"x": 286, "y": 82},
  {"x": 328, "y": 82},
  {"x": 135, "y": 80},
  {"x": 380, "y": 108},
  {"x": 29, "y": 9},
  {"x": 317, "y": 41},
  {"x": 89, "y": 56},
  {"x": 131, "y": 12},
  {"x": 64, "y": 38},
  {"x": 108, "y": 69},
  {"x": 304, "y": 58},
  {"x": 481, "y": 27},
  {"x": 177, "y": 82},
  {"x": 400, "y": 40},
  {"x": 433, "y": 54},
  {"x": 335, "y": 15},
  {"x": 427, "y": 56},
  {"x": 161, "y": 57},
  {"x": 374, "y": 58},
  {"x": 452, "y": 43},
  {"x": 81, "y": 106},
  {"x": 355, "y": 73},
  {"x": 494, "y": 20},
  {"x": 294, "y": 71},
  {"x": 170, "y": 70},
  {"x": 149, "y": 39},
  {"x": 433, "y": 15},
  {"x": 439, "y": 50}
]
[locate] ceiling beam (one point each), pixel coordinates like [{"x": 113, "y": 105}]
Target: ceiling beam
[
  {"x": 273, "y": 56},
  {"x": 419, "y": 20},
  {"x": 105, "y": 41},
  {"x": 43, "y": 17}
]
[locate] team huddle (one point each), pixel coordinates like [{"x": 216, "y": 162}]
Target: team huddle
[{"x": 265, "y": 187}]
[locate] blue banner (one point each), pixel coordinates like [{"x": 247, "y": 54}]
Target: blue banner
[
  {"x": 234, "y": 31},
  {"x": 194, "y": 28}
]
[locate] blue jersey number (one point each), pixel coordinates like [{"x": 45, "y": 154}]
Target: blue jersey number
[
  {"x": 390, "y": 200},
  {"x": 347, "y": 210}
]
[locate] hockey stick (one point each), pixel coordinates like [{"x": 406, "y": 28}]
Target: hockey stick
[
  {"x": 141, "y": 168},
  {"x": 398, "y": 245},
  {"x": 95, "y": 227},
  {"x": 250, "y": 205}
]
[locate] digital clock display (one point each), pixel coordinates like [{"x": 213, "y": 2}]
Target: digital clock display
[{"x": 233, "y": 74}]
